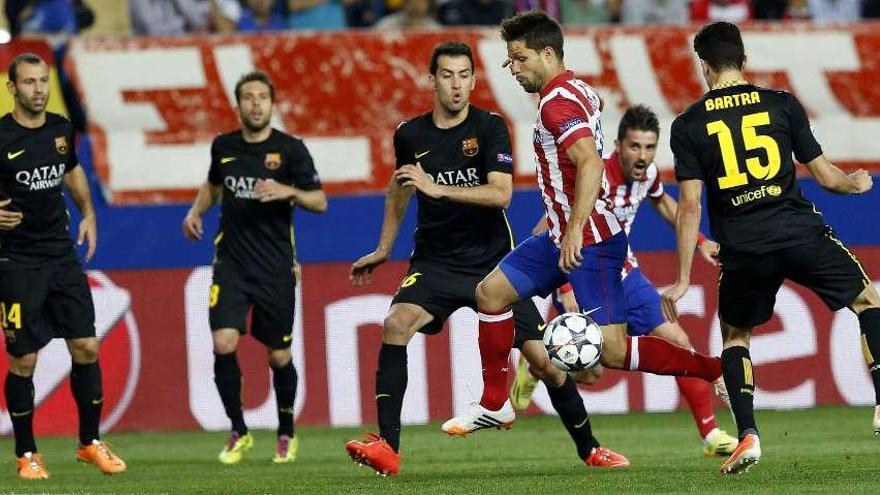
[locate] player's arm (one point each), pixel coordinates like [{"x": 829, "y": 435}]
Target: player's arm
[
  {"x": 837, "y": 181},
  {"x": 396, "y": 201},
  {"x": 207, "y": 197},
  {"x": 588, "y": 163},
  {"x": 687, "y": 229},
  {"x": 78, "y": 186},
  {"x": 496, "y": 194},
  {"x": 667, "y": 207},
  {"x": 313, "y": 200}
]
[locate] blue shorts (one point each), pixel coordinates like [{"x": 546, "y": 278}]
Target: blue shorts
[
  {"x": 533, "y": 269},
  {"x": 643, "y": 311}
]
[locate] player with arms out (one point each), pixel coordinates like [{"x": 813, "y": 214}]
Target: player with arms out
[
  {"x": 738, "y": 140},
  {"x": 585, "y": 244},
  {"x": 262, "y": 174},
  {"x": 44, "y": 293},
  {"x": 463, "y": 179},
  {"x": 633, "y": 177}
]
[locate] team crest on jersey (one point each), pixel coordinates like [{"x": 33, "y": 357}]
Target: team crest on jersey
[
  {"x": 61, "y": 145},
  {"x": 470, "y": 147},
  {"x": 273, "y": 161}
]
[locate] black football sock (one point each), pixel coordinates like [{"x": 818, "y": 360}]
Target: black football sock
[
  {"x": 736, "y": 365},
  {"x": 88, "y": 392},
  {"x": 20, "y": 403},
  {"x": 869, "y": 323},
  {"x": 570, "y": 406},
  {"x": 227, "y": 376},
  {"x": 390, "y": 386},
  {"x": 284, "y": 380}
]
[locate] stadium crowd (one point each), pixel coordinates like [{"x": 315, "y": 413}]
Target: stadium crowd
[{"x": 60, "y": 18}]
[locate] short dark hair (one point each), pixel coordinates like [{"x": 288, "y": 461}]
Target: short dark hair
[
  {"x": 535, "y": 29},
  {"x": 450, "y": 49},
  {"x": 23, "y": 58},
  {"x": 256, "y": 75},
  {"x": 638, "y": 118},
  {"x": 720, "y": 44}
]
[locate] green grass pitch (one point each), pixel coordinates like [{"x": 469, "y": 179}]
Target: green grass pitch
[{"x": 808, "y": 451}]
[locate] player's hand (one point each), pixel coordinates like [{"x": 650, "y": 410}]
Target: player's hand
[
  {"x": 8, "y": 219},
  {"x": 863, "y": 181},
  {"x": 192, "y": 227},
  {"x": 362, "y": 270},
  {"x": 271, "y": 190},
  {"x": 709, "y": 251},
  {"x": 570, "y": 256},
  {"x": 415, "y": 176},
  {"x": 569, "y": 303},
  {"x": 88, "y": 232},
  {"x": 669, "y": 299}
]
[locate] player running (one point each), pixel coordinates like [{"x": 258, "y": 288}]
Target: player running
[
  {"x": 739, "y": 139},
  {"x": 44, "y": 293},
  {"x": 633, "y": 177},
  {"x": 261, "y": 174},
  {"x": 585, "y": 245},
  {"x": 463, "y": 179}
]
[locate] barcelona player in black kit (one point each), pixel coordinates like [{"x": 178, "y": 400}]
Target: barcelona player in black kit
[
  {"x": 44, "y": 293},
  {"x": 738, "y": 140},
  {"x": 457, "y": 159},
  {"x": 261, "y": 174}
]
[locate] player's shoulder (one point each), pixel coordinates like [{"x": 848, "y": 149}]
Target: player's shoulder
[
  {"x": 286, "y": 140},
  {"x": 486, "y": 120},
  {"x": 56, "y": 119},
  {"x": 227, "y": 138},
  {"x": 415, "y": 125}
]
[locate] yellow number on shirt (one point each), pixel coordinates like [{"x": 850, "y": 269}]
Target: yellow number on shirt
[{"x": 733, "y": 176}]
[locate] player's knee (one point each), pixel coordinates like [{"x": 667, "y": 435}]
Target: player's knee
[
  {"x": 225, "y": 342},
  {"x": 487, "y": 300},
  {"x": 23, "y": 365},
  {"x": 84, "y": 351},
  {"x": 588, "y": 377},
  {"x": 397, "y": 329},
  {"x": 613, "y": 354},
  {"x": 279, "y": 357},
  {"x": 869, "y": 298}
]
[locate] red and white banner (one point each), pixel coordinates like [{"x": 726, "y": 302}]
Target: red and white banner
[
  {"x": 157, "y": 358},
  {"x": 155, "y": 104}
]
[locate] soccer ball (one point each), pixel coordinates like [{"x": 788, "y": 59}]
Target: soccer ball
[{"x": 573, "y": 342}]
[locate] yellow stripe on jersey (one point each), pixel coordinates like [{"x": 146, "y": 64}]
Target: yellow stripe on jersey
[{"x": 509, "y": 230}]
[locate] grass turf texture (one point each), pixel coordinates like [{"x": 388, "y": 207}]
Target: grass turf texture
[{"x": 807, "y": 451}]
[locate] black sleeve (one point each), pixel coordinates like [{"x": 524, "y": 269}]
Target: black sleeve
[
  {"x": 498, "y": 156},
  {"x": 803, "y": 142},
  {"x": 214, "y": 176},
  {"x": 72, "y": 159},
  {"x": 400, "y": 151},
  {"x": 684, "y": 152},
  {"x": 302, "y": 167}
]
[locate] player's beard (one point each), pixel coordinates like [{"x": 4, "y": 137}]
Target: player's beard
[
  {"x": 253, "y": 126},
  {"x": 528, "y": 86},
  {"x": 30, "y": 105}
]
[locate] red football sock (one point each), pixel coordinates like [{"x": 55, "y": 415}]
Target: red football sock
[
  {"x": 661, "y": 357},
  {"x": 698, "y": 394},
  {"x": 495, "y": 339}
]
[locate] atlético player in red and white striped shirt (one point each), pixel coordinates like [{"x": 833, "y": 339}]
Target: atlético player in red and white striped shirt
[{"x": 586, "y": 244}]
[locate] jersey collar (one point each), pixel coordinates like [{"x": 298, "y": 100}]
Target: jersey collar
[
  {"x": 556, "y": 82},
  {"x": 729, "y": 84}
]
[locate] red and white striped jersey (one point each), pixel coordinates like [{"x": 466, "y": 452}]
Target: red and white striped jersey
[
  {"x": 569, "y": 110},
  {"x": 626, "y": 196}
]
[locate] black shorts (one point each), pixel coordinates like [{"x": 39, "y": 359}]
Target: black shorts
[
  {"x": 231, "y": 296},
  {"x": 748, "y": 283},
  {"x": 442, "y": 290},
  {"x": 40, "y": 304}
]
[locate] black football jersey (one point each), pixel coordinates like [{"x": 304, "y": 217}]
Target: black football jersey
[
  {"x": 34, "y": 162},
  {"x": 462, "y": 156},
  {"x": 257, "y": 238},
  {"x": 739, "y": 140}
]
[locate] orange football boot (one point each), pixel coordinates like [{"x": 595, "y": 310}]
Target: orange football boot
[{"x": 375, "y": 452}]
